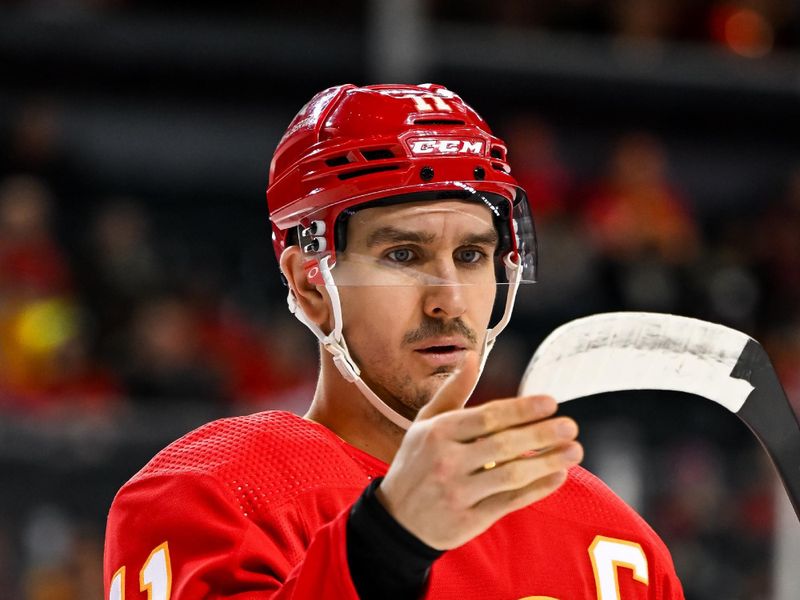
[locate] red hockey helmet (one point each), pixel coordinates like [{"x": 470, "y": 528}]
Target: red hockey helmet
[{"x": 352, "y": 146}]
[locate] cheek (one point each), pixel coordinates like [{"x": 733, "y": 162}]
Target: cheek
[
  {"x": 481, "y": 302},
  {"x": 376, "y": 318}
]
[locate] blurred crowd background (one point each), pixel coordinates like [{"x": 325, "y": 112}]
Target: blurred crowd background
[{"x": 139, "y": 297}]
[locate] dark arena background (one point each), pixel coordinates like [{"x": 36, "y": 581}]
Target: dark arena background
[{"x": 139, "y": 296}]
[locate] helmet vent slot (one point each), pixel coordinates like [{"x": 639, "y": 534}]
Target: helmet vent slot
[
  {"x": 367, "y": 171},
  {"x": 438, "y": 122},
  {"x": 496, "y": 152},
  {"x": 337, "y": 161},
  {"x": 499, "y": 167},
  {"x": 377, "y": 154}
]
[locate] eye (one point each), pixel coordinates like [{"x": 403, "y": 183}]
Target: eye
[
  {"x": 401, "y": 255},
  {"x": 470, "y": 255}
]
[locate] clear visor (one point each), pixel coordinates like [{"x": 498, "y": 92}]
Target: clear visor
[{"x": 458, "y": 237}]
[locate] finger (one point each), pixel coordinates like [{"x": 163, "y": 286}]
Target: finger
[
  {"x": 522, "y": 472},
  {"x": 456, "y": 389},
  {"x": 515, "y": 442},
  {"x": 499, "y": 505},
  {"x": 498, "y": 415},
  {"x": 525, "y": 477}
]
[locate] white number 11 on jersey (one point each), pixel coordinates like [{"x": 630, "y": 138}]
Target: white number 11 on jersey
[{"x": 155, "y": 577}]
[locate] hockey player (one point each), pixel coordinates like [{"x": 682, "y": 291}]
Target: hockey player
[{"x": 397, "y": 223}]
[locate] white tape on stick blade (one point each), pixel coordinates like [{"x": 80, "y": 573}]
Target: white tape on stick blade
[{"x": 638, "y": 351}]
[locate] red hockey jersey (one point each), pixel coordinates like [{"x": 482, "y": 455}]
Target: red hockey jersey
[{"x": 256, "y": 507}]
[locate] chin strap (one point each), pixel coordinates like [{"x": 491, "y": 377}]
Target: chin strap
[
  {"x": 514, "y": 276},
  {"x": 336, "y": 345}
]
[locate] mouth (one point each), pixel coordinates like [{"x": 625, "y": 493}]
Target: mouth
[
  {"x": 441, "y": 349},
  {"x": 439, "y": 353},
  {"x": 441, "y": 344}
]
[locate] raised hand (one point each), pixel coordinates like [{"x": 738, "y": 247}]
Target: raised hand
[{"x": 460, "y": 470}]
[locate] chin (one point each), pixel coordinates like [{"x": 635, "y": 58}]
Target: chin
[
  {"x": 432, "y": 385},
  {"x": 443, "y": 371}
]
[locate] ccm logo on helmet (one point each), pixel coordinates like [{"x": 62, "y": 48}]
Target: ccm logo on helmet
[{"x": 445, "y": 146}]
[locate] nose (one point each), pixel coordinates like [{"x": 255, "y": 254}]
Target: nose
[{"x": 446, "y": 300}]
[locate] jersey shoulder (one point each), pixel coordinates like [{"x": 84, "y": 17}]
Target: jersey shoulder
[
  {"x": 267, "y": 457},
  {"x": 586, "y": 499},
  {"x": 227, "y": 502}
]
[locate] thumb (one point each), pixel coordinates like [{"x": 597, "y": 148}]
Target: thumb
[{"x": 456, "y": 389}]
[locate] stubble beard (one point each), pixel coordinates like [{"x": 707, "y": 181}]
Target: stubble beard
[
  {"x": 396, "y": 387},
  {"x": 413, "y": 396},
  {"x": 405, "y": 395}
]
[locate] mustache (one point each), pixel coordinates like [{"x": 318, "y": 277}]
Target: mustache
[{"x": 437, "y": 327}]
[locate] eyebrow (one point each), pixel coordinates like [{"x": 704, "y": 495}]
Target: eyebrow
[
  {"x": 488, "y": 238},
  {"x": 393, "y": 235}
]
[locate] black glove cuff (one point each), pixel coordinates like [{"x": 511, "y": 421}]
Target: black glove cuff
[{"x": 387, "y": 562}]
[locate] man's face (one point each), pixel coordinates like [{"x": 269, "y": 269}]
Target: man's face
[{"x": 417, "y": 285}]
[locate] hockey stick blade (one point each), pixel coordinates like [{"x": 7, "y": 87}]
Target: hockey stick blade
[{"x": 649, "y": 351}]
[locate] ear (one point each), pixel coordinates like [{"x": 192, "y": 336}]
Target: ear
[{"x": 311, "y": 298}]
